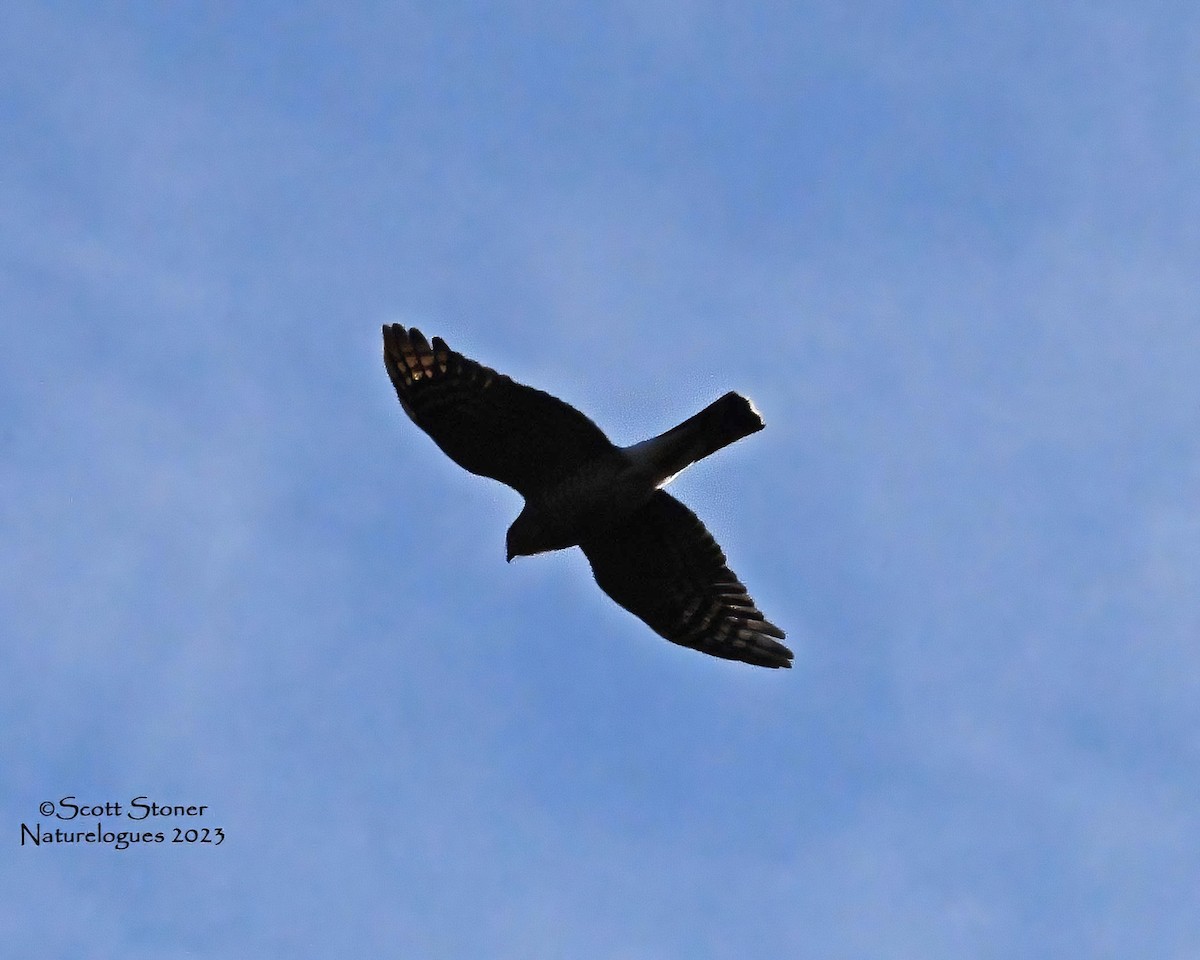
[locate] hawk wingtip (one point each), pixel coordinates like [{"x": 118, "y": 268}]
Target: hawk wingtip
[
  {"x": 765, "y": 649},
  {"x": 394, "y": 334},
  {"x": 778, "y": 656}
]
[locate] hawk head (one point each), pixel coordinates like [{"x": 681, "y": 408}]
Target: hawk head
[{"x": 535, "y": 531}]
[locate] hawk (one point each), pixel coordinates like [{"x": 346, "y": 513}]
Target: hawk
[{"x": 647, "y": 551}]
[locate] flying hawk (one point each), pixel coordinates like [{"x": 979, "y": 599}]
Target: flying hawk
[{"x": 648, "y": 551}]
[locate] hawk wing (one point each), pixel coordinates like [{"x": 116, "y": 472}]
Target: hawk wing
[
  {"x": 484, "y": 421},
  {"x": 663, "y": 566}
]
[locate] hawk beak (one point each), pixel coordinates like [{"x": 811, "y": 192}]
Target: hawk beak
[{"x": 508, "y": 557}]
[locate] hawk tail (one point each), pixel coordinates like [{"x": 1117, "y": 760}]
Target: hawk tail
[{"x": 721, "y": 423}]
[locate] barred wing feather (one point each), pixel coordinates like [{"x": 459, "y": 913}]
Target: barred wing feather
[
  {"x": 664, "y": 567},
  {"x": 484, "y": 421}
]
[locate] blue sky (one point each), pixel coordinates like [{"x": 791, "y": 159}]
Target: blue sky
[{"x": 948, "y": 249}]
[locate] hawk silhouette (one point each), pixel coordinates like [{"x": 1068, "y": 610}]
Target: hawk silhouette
[{"x": 648, "y": 551}]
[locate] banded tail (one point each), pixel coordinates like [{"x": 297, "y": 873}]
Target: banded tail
[{"x": 721, "y": 423}]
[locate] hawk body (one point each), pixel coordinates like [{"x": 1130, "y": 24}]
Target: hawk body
[{"x": 648, "y": 551}]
